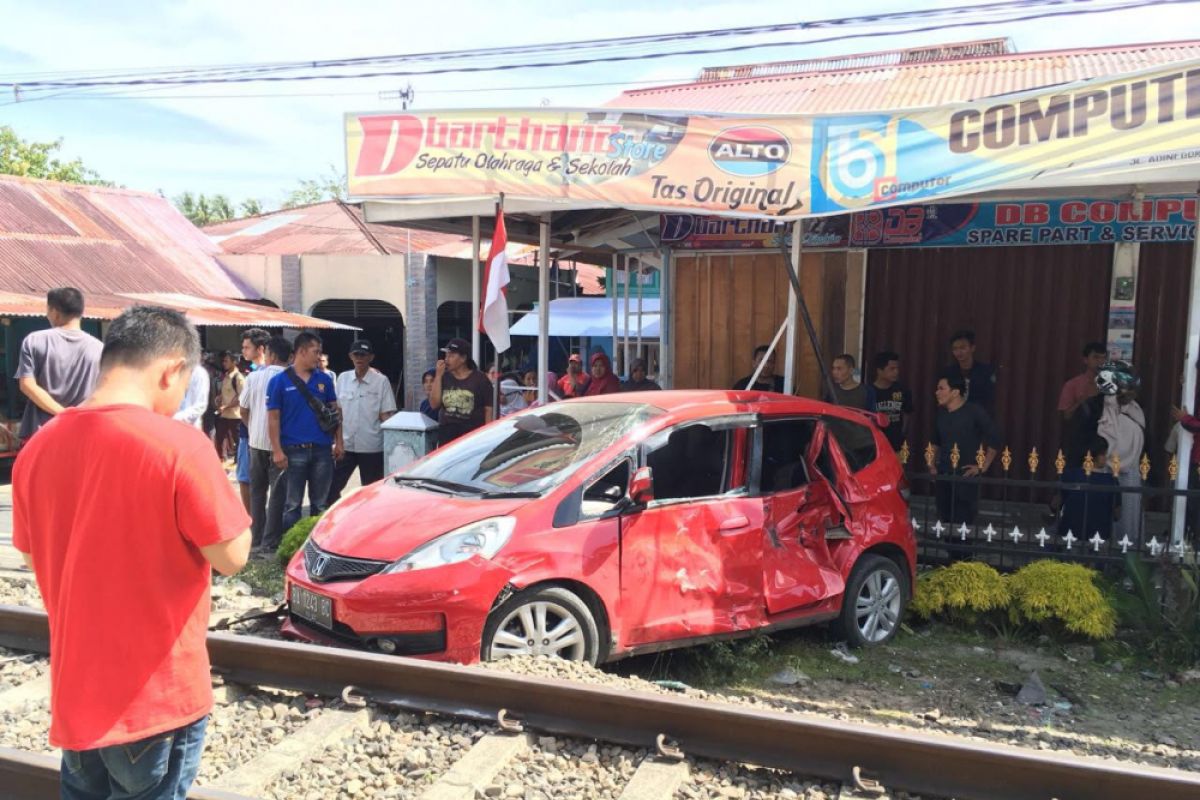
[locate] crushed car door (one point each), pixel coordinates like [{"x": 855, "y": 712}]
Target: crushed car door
[
  {"x": 690, "y": 558},
  {"x": 799, "y": 507}
]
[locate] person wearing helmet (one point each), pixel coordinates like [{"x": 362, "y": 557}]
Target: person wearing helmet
[{"x": 1123, "y": 426}]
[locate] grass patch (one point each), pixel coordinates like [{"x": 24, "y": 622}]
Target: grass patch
[{"x": 264, "y": 576}]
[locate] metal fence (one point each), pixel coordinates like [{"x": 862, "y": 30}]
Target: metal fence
[{"x": 1086, "y": 514}]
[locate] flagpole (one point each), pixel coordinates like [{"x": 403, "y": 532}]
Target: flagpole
[
  {"x": 543, "y": 306},
  {"x": 475, "y": 299},
  {"x": 496, "y": 384}
]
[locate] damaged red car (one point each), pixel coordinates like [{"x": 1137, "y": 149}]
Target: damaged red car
[{"x": 595, "y": 529}]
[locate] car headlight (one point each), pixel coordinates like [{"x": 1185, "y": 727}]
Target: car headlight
[{"x": 483, "y": 539}]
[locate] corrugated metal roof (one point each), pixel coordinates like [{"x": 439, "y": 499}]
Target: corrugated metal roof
[
  {"x": 329, "y": 228},
  {"x": 103, "y": 241},
  {"x": 907, "y": 85},
  {"x": 209, "y": 311}
]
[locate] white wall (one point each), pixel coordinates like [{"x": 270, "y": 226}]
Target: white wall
[{"x": 353, "y": 277}]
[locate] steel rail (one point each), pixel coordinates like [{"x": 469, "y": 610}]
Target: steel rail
[{"x": 802, "y": 743}]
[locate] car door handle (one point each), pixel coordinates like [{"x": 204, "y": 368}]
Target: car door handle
[{"x": 733, "y": 524}]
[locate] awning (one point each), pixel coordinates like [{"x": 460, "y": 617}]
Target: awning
[
  {"x": 592, "y": 316},
  {"x": 207, "y": 311}
]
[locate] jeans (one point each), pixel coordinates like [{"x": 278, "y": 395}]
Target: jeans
[
  {"x": 310, "y": 466},
  {"x": 370, "y": 469},
  {"x": 266, "y": 527},
  {"x": 160, "y": 767}
]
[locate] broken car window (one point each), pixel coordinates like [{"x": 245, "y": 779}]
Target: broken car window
[
  {"x": 785, "y": 442},
  {"x": 694, "y": 462}
]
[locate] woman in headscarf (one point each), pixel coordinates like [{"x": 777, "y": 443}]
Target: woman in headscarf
[
  {"x": 512, "y": 397},
  {"x": 603, "y": 381}
]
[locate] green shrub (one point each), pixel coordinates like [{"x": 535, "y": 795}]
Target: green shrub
[
  {"x": 295, "y": 538},
  {"x": 1058, "y": 596},
  {"x": 1162, "y": 622},
  {"x": 1054, "y": 597},
  {"x": 961, "y": 592}
]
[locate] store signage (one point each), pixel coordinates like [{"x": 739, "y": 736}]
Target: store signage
[
  {"x": 1155, "y": 219},
  {"x": 785, "y": 166}
]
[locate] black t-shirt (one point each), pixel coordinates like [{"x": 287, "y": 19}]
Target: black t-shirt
[
  {"x": 895, "y": 401},
  {"x": 463, "y": 404},
  {"x": 1080, "y": 429},
  {"x": 850, "y": 398},
  {"x": 766, "y": 383},
  {"x": 969, "y": 427},
  {"x": 981, "y": 383}
]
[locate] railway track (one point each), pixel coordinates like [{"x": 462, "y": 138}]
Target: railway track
[{"x": 393, "y": 727}]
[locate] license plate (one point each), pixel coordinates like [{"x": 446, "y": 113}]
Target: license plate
[{"x": 315, "y": 608}]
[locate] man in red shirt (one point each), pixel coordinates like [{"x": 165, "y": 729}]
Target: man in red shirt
[{"x": 122, "y": 541}]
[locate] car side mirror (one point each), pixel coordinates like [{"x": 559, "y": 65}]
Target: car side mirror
[{"x": 641, "y": 488}]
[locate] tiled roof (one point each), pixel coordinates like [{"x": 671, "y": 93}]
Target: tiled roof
[
  {"x": 103, "y": 241},
  {"x": 329, "y": 228},
  {"x": 904, "y": 85}
]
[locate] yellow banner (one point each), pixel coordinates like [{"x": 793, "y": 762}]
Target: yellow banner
[
  {"x": 595, "y": 158},
  {"x": 786, "y": 166}
]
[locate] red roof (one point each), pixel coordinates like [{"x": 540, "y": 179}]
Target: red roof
[
  {"x": 103, "y": 241},
  {"x": 881, "y": 85},
  {"x": 329, "y": 228},
  {"x": 209, "y": 311}
]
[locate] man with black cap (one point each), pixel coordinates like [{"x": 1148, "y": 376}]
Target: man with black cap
[
  {"x": 461, "y": 393},
  {"x": 366, "y": 399}
]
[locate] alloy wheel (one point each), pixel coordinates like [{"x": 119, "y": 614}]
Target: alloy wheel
[
  {"x": 877, "y": 607},
  {"x": 540, "y": 628}
]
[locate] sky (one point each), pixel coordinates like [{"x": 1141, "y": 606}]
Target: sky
[{"x": 259, "y": 140}]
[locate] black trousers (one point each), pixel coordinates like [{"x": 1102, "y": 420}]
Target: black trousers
[
  {"x": 370, "y": 469},
  {"x": 266, "y": 526},
  {"x": 957, "y": 501}
]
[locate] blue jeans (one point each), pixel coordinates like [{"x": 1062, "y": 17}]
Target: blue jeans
[
  {"x": 160, "y": 767},
  {"x": 311, "y": 467}
]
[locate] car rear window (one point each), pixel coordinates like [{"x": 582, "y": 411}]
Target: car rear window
[{"x": 856, "y": 440}]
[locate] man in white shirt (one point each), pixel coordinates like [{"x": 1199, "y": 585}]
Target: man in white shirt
[
  {"x": 366, "y": 399},
  {"x": 266, "y": 520},
  {"x": 195, "y": 398}
]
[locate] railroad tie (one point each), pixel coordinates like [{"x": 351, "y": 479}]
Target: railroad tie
[
  {"x": 30, "y": 691},
  {"x": 478, "y": 766},
  {"x": 655, "y": 778},
  {"x": 332, "y": 725}
]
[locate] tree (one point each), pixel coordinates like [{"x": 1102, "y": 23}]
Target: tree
[
  {"x": 327, "y": 187},
  {"x": 37, "y": 160},
  {"x": 251, "y": 208},
  {"x": 203, "y": 209}
]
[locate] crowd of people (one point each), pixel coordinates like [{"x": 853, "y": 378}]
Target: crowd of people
[{"x": 1103, "y": 426}]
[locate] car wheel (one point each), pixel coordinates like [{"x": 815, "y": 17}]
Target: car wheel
[
  {"x": 543, "y": 622},
  {"x": 873, "y": 604}
]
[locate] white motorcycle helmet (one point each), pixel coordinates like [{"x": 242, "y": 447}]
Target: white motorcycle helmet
[{"x": 1115, "y": 377}]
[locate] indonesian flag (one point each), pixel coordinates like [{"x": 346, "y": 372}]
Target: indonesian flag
[{"x": 493, "y": 317}]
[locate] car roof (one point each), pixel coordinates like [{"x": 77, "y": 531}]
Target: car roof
[{"x": 684, "y": 404}]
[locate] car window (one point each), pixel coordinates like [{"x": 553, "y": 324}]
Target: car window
[
  {"x": 603, "y": 494},
  {"x": 534, "y": 450},
  {"x": 784, "y": 443},
  {"x": 693, "y": 462},
  {"x": 857, "y": 441}
]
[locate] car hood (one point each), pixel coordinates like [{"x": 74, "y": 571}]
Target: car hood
[{"x": 385, "y": 522}]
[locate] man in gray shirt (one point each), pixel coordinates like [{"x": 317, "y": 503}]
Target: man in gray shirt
[{"x": 58, "y": 367}]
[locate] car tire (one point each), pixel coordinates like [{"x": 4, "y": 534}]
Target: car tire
[
  {"x": 874, "y": 602},
  {"x": 542, "y": 621}
]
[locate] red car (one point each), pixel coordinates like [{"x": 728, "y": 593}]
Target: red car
[{"x": 598, "y": 528}]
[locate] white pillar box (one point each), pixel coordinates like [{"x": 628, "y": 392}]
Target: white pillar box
[{"x": 407, "y": 436}]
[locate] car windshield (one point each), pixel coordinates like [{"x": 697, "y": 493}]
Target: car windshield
[{"x": 531, "y": 452}]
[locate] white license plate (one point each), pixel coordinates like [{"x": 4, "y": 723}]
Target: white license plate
[{"x": 313, "y": 607}]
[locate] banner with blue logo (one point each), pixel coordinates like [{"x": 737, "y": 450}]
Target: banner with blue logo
[
  {"x": 1138, "y": 128},
  {"x": 1075, "y": 221}
]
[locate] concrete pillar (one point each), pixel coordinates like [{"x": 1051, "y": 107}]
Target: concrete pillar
[{"x": 420, "y": 324}]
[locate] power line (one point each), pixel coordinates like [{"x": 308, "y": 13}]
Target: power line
[{"x": 1037, "y": 9}]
